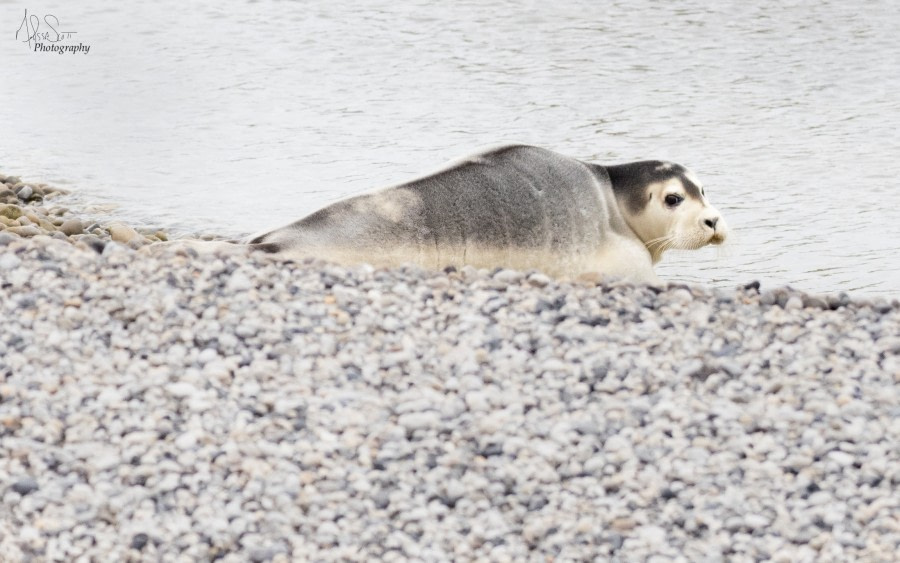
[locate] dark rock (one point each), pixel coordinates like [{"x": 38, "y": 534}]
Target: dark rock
[
  {"x": 537, "y": 502},
  {"x": 139, "y": 541},
  {"x": 381, "y": 499},
  {"x": 594, "y": 321},
  {"x": 92, "y": 242},
  {"x": 813, "y": 302},
  {"x": 699, "y": 369},
  {"x": 616, "y": 541},
  {"x": 782, "y": 296},
  {"x": 492, "y": 449},
  {"x": 881, "y": 306},
  {"x": 668, "y": 494},
  {"x": 837, "y": 301},
  {"x": 555, "y": 305},
  {"x": 25, "y": 486}
]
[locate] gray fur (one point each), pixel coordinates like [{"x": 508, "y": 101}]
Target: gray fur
[{"x": 514, "y": 196}]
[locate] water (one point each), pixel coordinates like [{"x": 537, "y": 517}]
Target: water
[{"x": 236, "y": 117}]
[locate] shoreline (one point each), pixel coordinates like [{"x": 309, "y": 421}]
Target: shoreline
[
  {"x": 202, "y": 406},
  {"x": 40, "y": 213},
  {"x": 29, "y": 209}
]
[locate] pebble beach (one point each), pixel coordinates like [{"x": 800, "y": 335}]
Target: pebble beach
[{"x": 184, "y": 406}]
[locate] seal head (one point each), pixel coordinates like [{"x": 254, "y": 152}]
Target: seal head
[{"x": 666, "y": 206}]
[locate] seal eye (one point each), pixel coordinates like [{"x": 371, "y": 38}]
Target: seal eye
[{"x": 673, "y": 200}]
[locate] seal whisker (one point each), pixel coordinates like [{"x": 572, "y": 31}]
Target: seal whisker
[{"x": 659, "y": 241}]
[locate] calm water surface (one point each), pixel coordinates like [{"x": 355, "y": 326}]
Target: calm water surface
[{"x": 233, "y": 117}]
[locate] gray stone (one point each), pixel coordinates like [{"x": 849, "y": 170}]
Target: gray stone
[
  {"x": 7, "y": 238},
  {"x": 139, "y": 541},
  {"x": 25, "y": 193},
  {"x": 25, "y": 486},
  {"x": 72, "y": 227}
]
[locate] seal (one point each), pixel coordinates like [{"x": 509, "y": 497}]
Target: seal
[{"x": 518, "y": 207}]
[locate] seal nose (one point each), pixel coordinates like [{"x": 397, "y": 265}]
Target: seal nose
[{"x": 711, "y": 223}]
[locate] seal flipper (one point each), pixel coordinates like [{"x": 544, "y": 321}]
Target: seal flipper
[{"x": 267, "y": 247}]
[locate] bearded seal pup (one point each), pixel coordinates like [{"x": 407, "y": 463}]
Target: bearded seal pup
[{"x": 519, "y": 207}]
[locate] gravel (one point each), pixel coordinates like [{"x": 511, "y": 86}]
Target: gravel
[
  {"x": 26, "y": 212},
  {"x": 182, "y": 406}
]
